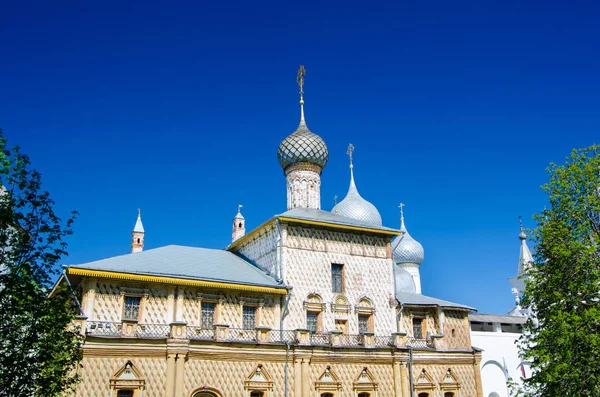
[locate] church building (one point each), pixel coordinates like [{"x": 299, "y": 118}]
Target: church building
[{"x": 311, "y": 303}]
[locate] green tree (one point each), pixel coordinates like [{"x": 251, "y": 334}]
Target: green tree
[
  {"x": 562, "y": 340},
  {"x": 39, "y": 354}
]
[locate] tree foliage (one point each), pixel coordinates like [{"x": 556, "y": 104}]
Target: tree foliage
[
  {"x": 562, "y": 340},
  {"x": 39, "y": 354}
]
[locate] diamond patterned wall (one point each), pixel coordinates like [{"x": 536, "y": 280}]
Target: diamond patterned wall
[
  {"x": 464, "y": 374},
  {"x": 96, "y": 374},
  {"x": 107, "y": 304},
  {"x": 347, "y": 373},
  {"x": 308, "y": 270},
  {"x": 155, "y": 307},
  {"x": 459, "y": 322},
  {"x": 262, "y": 249},
  {"x": 229, "y": 376}
]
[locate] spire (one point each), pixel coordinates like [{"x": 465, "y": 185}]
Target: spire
[
  {"x": 525, "y": 256},
  {"x": 139, "y": 227},
  {"x": 300, "y": 81},
  {"x": 137, "y": 235},
  {"x": 402, "y": 227},
  {"x": 352, "y": 183}
]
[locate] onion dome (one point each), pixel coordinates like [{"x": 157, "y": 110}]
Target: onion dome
[
  {"x": 405, "y": 248},
  {"x": 302, "y": 146},
  {"x": 353, "y": 205},
  {"x": 404, "y": 281}
]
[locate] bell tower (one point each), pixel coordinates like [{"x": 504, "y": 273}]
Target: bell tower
[
  {"x": 137, "y": 236},
  {"x": 239, "y": 225}
]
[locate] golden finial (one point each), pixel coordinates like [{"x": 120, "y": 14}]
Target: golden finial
[
  {"x": 349, "y": 153},
  {"x": 300, "y": 81}
]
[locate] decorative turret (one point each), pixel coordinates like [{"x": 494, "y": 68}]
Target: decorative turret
[
  {"x": 517, "y": 283},
  {"x": 137, "y": 236},
  {"x": 303, "y": 155},
  {"x": 408, "y": 252},
  {"x": 353, "y": 205},
  {"x": 239, "y": 225}
]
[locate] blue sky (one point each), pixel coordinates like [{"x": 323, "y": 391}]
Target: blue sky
[{"x": 178, "y": 108}]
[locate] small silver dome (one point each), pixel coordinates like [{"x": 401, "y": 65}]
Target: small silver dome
[
  {"x": 355, "y": 207},
  {"x": 404, "y": 281},
  {"x": 302, "y": 147},
  {"x": 406, "y": 249}
]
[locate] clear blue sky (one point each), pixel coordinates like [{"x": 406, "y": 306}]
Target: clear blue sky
[{"x": 178, "y": 108}]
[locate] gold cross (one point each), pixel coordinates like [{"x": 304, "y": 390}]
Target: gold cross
[{"x": 300, "y": 78}]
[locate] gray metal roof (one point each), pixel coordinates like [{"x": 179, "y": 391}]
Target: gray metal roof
[
  {"x": 186, "y": 262},
  {"x": 409, "y": 298},
  {"x": 311, "y": 214},
  {"x": 355, "y": 207},
  {"x": 495, "y": 318},
  {"x": 302, "y": 146}
]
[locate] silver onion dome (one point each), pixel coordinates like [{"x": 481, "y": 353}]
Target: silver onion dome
[
  {"x": 302, "y": 147},
  {"x": 355, "y": 207},
  {"x": 406, "y": 249},
  {"x": 404, "y": 281}
]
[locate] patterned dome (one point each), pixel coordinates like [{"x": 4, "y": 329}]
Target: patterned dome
[
  {"x": 407, "y": 249},
  {"x": 404, "y": 281},
  {"x": 355, "y": 207},
  {"x": 302, "y": 147}
]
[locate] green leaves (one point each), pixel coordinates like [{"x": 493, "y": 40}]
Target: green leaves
[
  {"x": 39, "y": 356},
  {"x": 563, "y": 285}
]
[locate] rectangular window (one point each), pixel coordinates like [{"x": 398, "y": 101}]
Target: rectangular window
[
  {"x": 417, "y": 328},
  {"x": 125, "y": 393},
  {"x": 132, "y": 308},
  {"x": 249, "y": 317},
  {"x": 312, "y": 322},
  {"x": 363, "y": 323},
  {"x": 337, "y": 278},
  {"x": 342, "y": 326},
  {"x": 208, "y": 315}
]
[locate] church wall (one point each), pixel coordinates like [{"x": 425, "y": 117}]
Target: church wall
[
  {"x": 159, "y": 304},
  {"x": 459, "y": 322},
  {"x": 261, "y": 248},
  {"x": 464, "y": 374},
  {"x": 348, "y": 372},
  {"x": 368, "y": 272}
]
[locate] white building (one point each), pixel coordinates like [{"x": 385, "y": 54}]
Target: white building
[{"x": 496, "y": 335}]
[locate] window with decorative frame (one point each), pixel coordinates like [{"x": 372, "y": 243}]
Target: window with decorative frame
[
  {"x": 365, "y": 315},
  {"x": 131, "y": 308},
  {"x": 248, "y": 317},
  {"x": 314, "y": 307},
  {"x": 207, "y": 318},
  {"x": 128, "y": 381}
]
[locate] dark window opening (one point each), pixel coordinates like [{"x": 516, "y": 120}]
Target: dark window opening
[
  {"x": 125, "y": 393},
  {"x": 337, "y": 278},
  {"x": 132, "y": 308},
  {"x": 363, "y": 323},
  {"x": 208, "y": 315},
  {"x": 417, "y": 328},
  {"x": 312, "y": 322},
  {"x": 249, "y": 320}
]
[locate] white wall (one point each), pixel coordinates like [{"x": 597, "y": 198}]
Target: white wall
[{"x": 498, "y": 347}]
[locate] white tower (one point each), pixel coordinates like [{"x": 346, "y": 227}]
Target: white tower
[
  {"x": 517, "y": 282},
  {"x": 137, "y": 236},
  {"x": 408, "y": 253},
  {"x": 239, "y": 225},
  {"x": 303, "y": 155}
]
